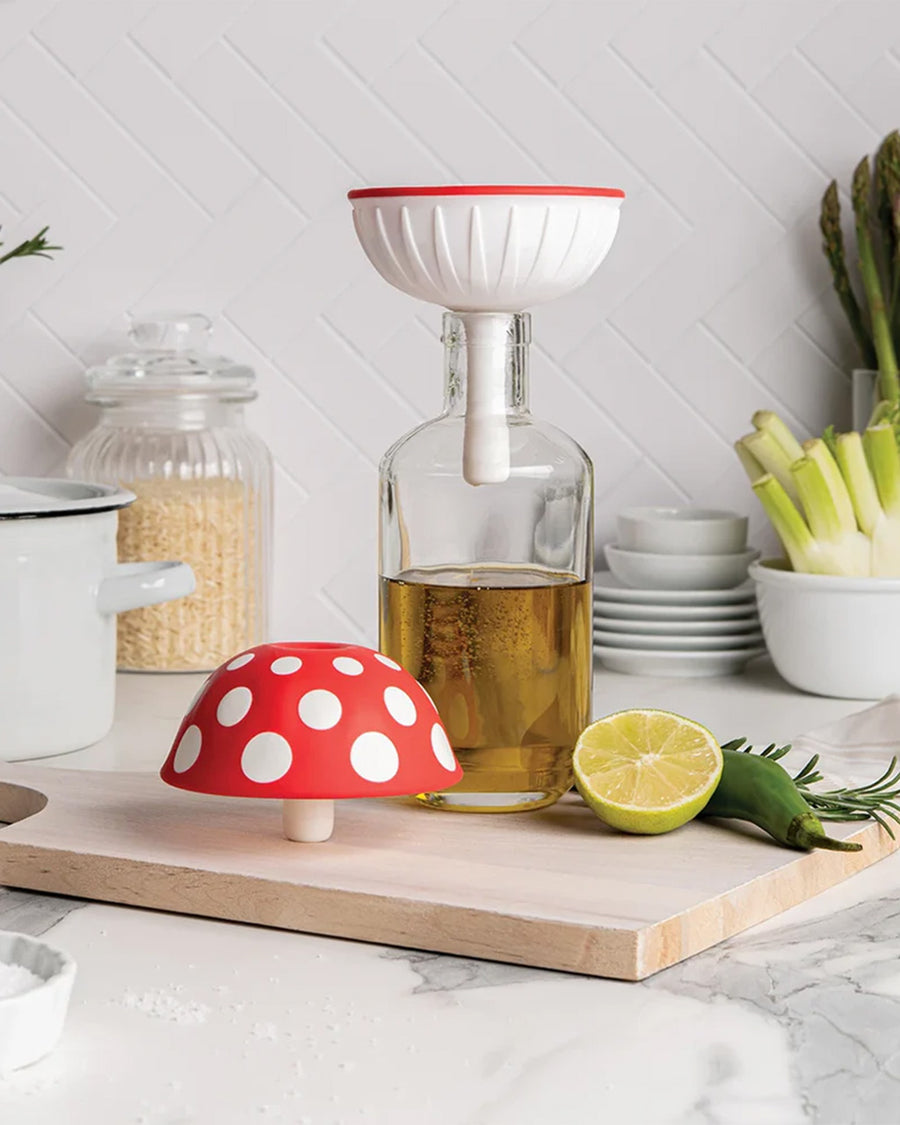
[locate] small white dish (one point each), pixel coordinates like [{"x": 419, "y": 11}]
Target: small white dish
[
  {"x": 31, "y": 1022},
  {"x": 748, "y": 624},
  {"x": 664, "y": 642},
  {"x": 830, "y": 635},
  {"x": 682, "y": 531},
  {"x": 679, "y": 572},
  {"x": 634, "y": 662},
  {"x": 626, "y": 612},
  {"x": 610, "y": 588}
]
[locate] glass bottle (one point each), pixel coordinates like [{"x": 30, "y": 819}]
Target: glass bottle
[
  {"x": 172, "y": 430},
  {"x": 485, "y": 591}
]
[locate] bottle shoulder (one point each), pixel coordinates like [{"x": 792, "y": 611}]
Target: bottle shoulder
[{"x": 435, "y": 448}]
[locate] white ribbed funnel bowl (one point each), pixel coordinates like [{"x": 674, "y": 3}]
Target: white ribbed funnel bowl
[
  {"x": 486, "y": 248},
  {"x": 486, "y": 252}
]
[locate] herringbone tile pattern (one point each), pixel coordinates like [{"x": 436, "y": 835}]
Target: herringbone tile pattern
[{"x": 196, "y": 154}]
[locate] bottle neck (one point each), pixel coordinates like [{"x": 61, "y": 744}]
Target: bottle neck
[{"x": 500, "y": 341}]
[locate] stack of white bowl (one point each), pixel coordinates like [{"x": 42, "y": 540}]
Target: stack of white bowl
[{"x": 676, "y": 600}]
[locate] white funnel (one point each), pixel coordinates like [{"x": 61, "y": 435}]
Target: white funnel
[{"x": 483, "y": 251}]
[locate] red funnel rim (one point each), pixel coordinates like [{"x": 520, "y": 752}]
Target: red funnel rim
[{"x": 486, "y": 189}]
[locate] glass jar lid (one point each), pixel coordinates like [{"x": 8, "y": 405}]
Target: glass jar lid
[{"x": 170, "y": 357}]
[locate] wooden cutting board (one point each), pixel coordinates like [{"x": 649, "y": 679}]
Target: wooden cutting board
[{"x": 553, "y": 889}]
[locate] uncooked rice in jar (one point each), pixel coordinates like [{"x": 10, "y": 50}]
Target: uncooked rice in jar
[{"x": 210, "y": 524}]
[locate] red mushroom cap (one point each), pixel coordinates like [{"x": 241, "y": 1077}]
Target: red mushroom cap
[{"x": 297, "y": 721}]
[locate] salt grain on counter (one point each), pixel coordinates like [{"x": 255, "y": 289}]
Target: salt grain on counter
[
  {"x": 16, "y": 979},
  {"x": 163, "y": 1006}
]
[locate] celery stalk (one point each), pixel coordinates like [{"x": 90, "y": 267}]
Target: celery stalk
[
  {"x": 884, "y": 461},
  {"x": 764, "y": 446},
  {"x": 787, "y": 521},
  {"x": 840, "y": 547},
  {"x": 818, "y": 451},
  {"x": 752, "y": 467},
  {"x": 854, "y": 468},
  {"x": 769, "y": 422},
  {"x": 880, "y": 449},
  {"x": 819, "y": 508}
]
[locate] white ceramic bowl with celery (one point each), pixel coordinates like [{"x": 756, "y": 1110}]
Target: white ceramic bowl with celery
[
  {"x": 830, "y": 635},
  {"x": 830, "y": 613}
]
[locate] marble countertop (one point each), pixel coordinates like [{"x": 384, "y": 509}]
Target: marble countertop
[{"x": 185, "y": 1021}]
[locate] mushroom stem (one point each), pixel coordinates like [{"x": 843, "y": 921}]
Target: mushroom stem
[{"x": 310, "y": 821}]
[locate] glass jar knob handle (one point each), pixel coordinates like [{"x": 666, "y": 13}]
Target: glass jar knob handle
[{"x": 171, "y": 331}]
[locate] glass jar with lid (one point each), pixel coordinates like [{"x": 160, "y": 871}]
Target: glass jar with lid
[{"x": 172, "y": 430}]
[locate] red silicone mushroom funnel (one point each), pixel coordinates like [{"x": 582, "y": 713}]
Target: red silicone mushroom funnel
[{"x": 307, "y": 723}]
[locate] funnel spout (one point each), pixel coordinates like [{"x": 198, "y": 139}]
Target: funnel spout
[{"x": 486, "y": 434}]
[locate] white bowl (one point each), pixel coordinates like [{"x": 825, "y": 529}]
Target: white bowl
[
  {"x": 682, "y": 531},
  {"x": 32, "y": 1022},
  {"x": 495, "y": 248},
  {"x": 679, "y": 572},
  {"x": 831, "y": 636}
]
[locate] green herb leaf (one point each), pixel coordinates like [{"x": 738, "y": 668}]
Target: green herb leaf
[{"x": 36, "y": 247}]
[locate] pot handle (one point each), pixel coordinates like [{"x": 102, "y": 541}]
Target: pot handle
[{"x": 132, "y": 585}]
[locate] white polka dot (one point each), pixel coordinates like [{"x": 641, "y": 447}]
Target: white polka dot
[
  {"x": 440, "y": 744},
  {"x": 285, "y": 665},
  {"x": 187, "y": 751},
  {"x": 233, "y": 706},
  {"x": 400, "y": 706},
  {"x": 319, "y": 709},
  {"x": 347, "y": 665},
  {"x": 239, "y": 661},
  {"x": 374, "y": 756},
  {"x": 387, "y": 660},
  {"x": 266, "y": 757}
]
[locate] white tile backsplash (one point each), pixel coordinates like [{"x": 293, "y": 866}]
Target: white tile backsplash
[{"x": 198, "y": 153}]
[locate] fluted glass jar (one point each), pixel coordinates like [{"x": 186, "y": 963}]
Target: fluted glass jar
[
  {"x": 172, "y": 430},
  {"x": 485, "y": 590}
]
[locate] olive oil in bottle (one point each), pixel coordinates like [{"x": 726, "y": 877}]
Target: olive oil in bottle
[{"x": 505, "y": 653}]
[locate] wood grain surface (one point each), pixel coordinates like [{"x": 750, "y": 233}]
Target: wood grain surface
[{"x": 553, "y": 889}]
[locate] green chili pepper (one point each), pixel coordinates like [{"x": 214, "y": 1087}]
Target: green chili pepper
[{"x": 758, "y": 789}]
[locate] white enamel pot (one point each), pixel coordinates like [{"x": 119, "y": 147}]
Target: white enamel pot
[{"x": 60, "y": 589}]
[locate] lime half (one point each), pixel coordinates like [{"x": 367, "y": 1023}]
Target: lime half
[{"x": 646, "y": 771}]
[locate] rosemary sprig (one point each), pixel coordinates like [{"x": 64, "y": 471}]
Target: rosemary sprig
[
  {"x": 36, "y": 247},
  {"x": 878, "y": 801}
]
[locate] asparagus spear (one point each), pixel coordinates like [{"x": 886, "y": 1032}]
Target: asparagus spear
[
  {"x": 833, "y": 245},
  {"x": 887, "y": 189},
  {"x": 868, "y": 268}
]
